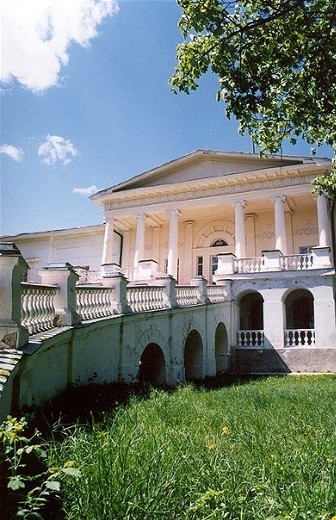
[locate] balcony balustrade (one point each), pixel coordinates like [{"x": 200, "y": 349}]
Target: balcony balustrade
[
  {"x": 249, "y": 265},
  {"x": 300, "y": 338},
  {"x": 250, "y": 338}
]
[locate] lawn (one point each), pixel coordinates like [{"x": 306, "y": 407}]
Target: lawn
[{"x": 264, "y": 449}]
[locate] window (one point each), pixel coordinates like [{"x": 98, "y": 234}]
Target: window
[
  {"x": 219, "y": 243},
  {"x": 199, "y": 266}
]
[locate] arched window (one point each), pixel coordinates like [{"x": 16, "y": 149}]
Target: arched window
[{"x": 219, "y": 243}]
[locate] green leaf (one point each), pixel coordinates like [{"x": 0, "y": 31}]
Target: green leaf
[
  {"x": 16, "y": 483},
  {"x": 53, "y": 485},
  {"x": 74, "y": 472}
]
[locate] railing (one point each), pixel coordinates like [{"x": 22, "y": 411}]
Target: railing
[
  {"x": 94, "y": 302},
  {"x": 297, "y": 262},
  {"x": 249, "y": 265},
  {"x": 216, "y": 293},
  {"x": 299, "y": 337},
  {"x": 186, "y": 295},
  {"x": 250, "y": 338},
  {"x": 145, "y": 298},
  {"x": 37, "y": 307}
]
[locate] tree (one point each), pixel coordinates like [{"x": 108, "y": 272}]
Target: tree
[{"x": 275, "y": 61}]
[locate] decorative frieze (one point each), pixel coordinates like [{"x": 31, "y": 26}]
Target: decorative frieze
[{"x": 305, "y": 231}]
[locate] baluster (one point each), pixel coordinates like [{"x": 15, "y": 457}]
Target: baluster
[{"x": 24, "y": 308}]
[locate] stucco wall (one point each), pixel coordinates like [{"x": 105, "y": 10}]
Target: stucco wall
[{"x": 109, "y": 350}]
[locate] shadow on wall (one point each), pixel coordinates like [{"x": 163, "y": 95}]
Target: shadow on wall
[{"x": 259, "y": 361}]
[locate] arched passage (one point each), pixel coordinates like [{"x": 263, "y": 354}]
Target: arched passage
[
  {"x": 299, "y": 318},
  {"x": 251, "y": 316},
  {"x": 221, "y": 349},
  {"x": 152, "y": 365},
  {"x": 193, "y": 356}
]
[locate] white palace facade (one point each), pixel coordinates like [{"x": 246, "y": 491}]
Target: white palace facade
[{"x": 236, "y": 220}]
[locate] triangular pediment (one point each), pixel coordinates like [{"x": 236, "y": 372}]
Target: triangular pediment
[{"x": 198, "y": 166}]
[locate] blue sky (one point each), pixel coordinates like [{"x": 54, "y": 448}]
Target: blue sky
[{"x": 82, "y": 112}]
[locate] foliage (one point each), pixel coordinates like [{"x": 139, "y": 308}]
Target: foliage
[
  {"x": 326, "y": 185},
  {"x": 16, "y": 448},
  {"x": 264, "y": 449},
  {"x": 275, "y": 61}
]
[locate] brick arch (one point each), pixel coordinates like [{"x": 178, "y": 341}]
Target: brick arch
[{"x": 215, "y": 230}]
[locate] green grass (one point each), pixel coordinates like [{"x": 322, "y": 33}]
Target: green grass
[{"x": 260, "y": 450}]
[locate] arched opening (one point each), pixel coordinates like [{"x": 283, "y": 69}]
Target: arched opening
[
  {"x": 221, "y": 349},
  {"x": 251, "y": 333},
  {"x": 152, "y": 366},
  {"x": 193, "y": 356},
  {"x": 300, "y": 318}
]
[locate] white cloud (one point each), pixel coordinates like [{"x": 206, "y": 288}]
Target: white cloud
[
  {"x": 36, "y": 36},
  {"x": 11, "y": 151},
  {"x": 56, "y": 148},
  {"x": 86, "y": 192}
]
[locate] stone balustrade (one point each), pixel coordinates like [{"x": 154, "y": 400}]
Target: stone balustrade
[
  {"x": 299, "y": 338},
  {"x": 186, "y": 295},
  {"x": 248, "y": 265},
  {"x": 297, "y": 262},
  {"x": 38, "y": 307},
  {"x": 250, "y": 338},
  {"x": 95, "y": 302},
  {"x": 216, "y": 293},
  {"x": 145, "y": 298},
  {"x": 272, "y": 261}
]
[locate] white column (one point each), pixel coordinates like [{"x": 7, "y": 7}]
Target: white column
[
  {"x": 173, "y": 243},
  {"x": 188, "y": 257},
  {"x": 240, "y": 234},
  {"x": 323, "y": 221},
  {"x": 279, "y": 223},
  {"x": 125, "y": 258},
  {"x": 108, "y": 242},
  {"x": 156, "y": 244},
  {"x": 250, "y": 234},
  {"x": 139, "y": 249}
]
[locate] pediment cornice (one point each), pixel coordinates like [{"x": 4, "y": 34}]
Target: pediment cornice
[{"x": 211, "y": 187}]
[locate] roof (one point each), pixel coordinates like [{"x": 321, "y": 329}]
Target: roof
[{"x": 42, "y": 234}]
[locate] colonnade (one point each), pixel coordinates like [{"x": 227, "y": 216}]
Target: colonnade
[{"x": 280, "y": 241}]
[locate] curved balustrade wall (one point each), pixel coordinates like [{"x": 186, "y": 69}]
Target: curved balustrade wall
[{"x": 37, "y": 307}]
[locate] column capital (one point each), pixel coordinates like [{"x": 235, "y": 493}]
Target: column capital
[
  {"x": 238, "y": 202},
  {"x": 140, "y": 215},
  {"x": 174, "y": 211},
  {"x": 279, "y": 196}
]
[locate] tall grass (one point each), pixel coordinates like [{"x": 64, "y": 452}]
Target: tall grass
[{"x": 262, "y": 450}]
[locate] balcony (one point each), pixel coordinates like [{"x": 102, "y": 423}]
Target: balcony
[
  {"x": 292, "y": 338},
  {"x": 273, "y": 261}
]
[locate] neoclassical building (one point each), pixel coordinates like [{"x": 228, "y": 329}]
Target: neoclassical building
[{"x": 233, "y": 219}]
